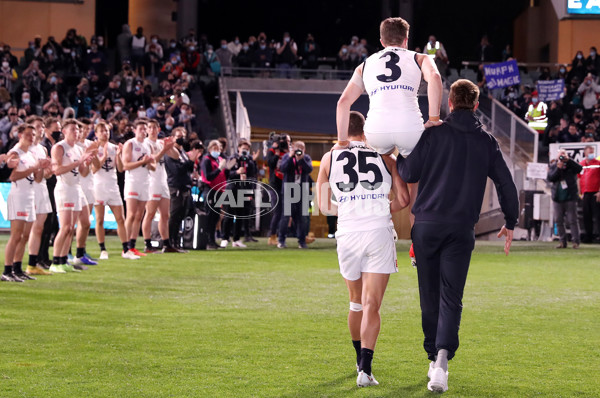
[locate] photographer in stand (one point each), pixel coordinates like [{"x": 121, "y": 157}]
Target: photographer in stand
[
  {"x": 279, "y": 146},
  {"x": 241, "y": 176},
  {"x": 562, "y": 173}
]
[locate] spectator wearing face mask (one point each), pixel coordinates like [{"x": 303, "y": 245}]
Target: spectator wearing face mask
[
  {"x": 119, "y": 113},
  {"x": 53, "y": 82},
  {"x": 169, "y": 126},
  {"x": 6, "y": 125},
  {"x": 263, "y": 56},
  {"x": 588, "y": 90},
  {"x": 153, "y": 60},
  {"x": 157, "y": 47},
  {"x": 53, "y": 99},
  {"x": 173, "y": 67},
  {"x": 562, "y": 73},
  {"x": 343, "y": 59},
  {"x": 50, "y": 60},
  {"x": 25, "y": 103},
  {"x": 592, "y": 62},
  {"x": 225, "y": 57},
  {"x": 235, "y": 46},
  {"x": 244, "y": 58},
  {"x": 578, "y": 68},
  {"x": 96, "y": 60},
  {"x": 287, "y": 55},
  {"x": 8, "y": 75},
  {"x": 138, "y": 98},
  {"x": 214, "y": 65},
  {"x": 191, "y": 59},
  {"x": 186, "y": 118},
  {"x": 13, "y": 62}
]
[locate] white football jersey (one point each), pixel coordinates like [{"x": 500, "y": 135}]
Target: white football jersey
[
  {"x": 88, "y": 180},
  {"x": 138, "y": 151},
  {"x": 70, "y": 154},
  {"x": 160, "y": 174},
  {"x": 39, "y": 152},
  {"x": 391, "y": 78},
  {"x": 106, "y": 176},
  {"x": 26, "y": 160},
  {"x": 361, "y": 184}
]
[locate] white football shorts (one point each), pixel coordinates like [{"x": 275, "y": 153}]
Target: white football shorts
[
  {"x": 42, "y": 199},
  {"x": 107, "y": 195},
  {"x": 137, "y": 190},
  {"x": 159, "y": 190},
  {"x": 69, "y": 197},
  {"x": 21, "y": 206},
  {"x": 367, "y": 251},
  {"x": 385, "y": 143}
]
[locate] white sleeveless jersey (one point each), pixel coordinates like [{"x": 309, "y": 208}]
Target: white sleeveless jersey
[
  {"x": 160, "y": 174},
  {"x": 26, "y": 160},
  {"x": 138, "y": 151},
  {"x": 88, "y": 180},
  {"x": 39, "y": 153},
  {"x": 106, "y": 176},
  {"x": 392, "y": 78},
  {"x": 360, "y": 182},
  {"x": 70, "y": 154}
]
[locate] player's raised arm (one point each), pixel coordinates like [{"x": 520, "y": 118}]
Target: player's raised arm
[
  {"x": 434, "y": 88},
  {"x": 353, "y": 90},
  {"x": 323, "y": 188}
]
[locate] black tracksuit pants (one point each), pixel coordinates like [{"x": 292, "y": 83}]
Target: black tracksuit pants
[{"x": 443, "y": 254}]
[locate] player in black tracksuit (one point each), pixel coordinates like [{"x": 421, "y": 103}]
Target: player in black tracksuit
[{"x": 452, "y": 162}]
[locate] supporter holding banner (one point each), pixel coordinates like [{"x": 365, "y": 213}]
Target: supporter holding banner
[
  {"x": 550, "y": 90},
  {"x": 503, "y": 74}
]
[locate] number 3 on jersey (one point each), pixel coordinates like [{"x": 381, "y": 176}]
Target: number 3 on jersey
[
  {"x": 364, "y": 168},
  {"x": 392, "y": 65}
]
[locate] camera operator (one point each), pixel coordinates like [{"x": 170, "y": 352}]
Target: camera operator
[
  {"x": 296, "y": 167},
  {"x": 243, "y": 170},
  {"x": 563, "y": 175},
  {"x": 279, "y": 146},
  {"x": 214, "y": 172},
  {"x": 179, "y": 165}
]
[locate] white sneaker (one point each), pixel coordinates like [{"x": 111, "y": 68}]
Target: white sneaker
[
  {"x": 281, "y": 246},
  {"x": 75, "y": 261},
  {"x": 439, "y": 380},
  {"x": 430, "y": 371},
  {"x": 103, "y": 255},
  {"x": 129, "y": 255},
  {"x": 224, "y": 243},
  {"x": 238, "y": 243},
  {"x": 364, "y": 380}
]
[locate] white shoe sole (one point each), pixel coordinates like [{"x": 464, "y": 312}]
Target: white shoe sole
[{"x": 439, "y": 381}]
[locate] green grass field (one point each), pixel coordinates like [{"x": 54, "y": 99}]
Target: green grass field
[{"x": 270, "y": 323}]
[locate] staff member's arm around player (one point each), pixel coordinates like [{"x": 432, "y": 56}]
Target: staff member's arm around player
[{"x": 362, "y": 181}]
